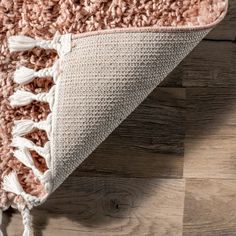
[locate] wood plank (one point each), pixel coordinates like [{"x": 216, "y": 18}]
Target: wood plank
[
  {"x": 210, "y": 111},
  {"x": 210, "y": 157},
  {"x": 210, "y": 207},
  {"x": 110, "y": 206},
  {"x": 150, "y": 143},
  {"x": 211, "y": 64},
  {"x": 210, "y": 133}
]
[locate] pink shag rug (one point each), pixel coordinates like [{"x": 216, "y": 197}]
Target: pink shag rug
[{"x": 42, "y": 19}]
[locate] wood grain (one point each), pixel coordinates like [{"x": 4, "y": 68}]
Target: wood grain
[
  {"x": 96, "y": 206},
  {"x": 211, "y": 64},
  {"x": 210, "y": 111},
  {"x": 210, "y": 157},
  {"x": 210, "y": 207},
  {"x": 210, "y": 142}
]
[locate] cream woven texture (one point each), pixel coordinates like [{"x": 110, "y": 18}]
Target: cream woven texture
[{"x": 104, "y": 79}]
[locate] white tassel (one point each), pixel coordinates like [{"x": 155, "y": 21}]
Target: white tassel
[
  {"x": 20, "y": 143},
  {"x": 61, "y": 43},
  {"x": 24, "y": 156},
  {"x": 23, "y": 127},
  {"x": 24, "y": 75},
  {"x": 11, "y": 184},
  {"x": 21, "y": 43},
  {"x": 23, "y": 98},
  {"x": 27, "y": 222}
]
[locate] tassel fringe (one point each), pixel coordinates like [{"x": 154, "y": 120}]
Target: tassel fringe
[
  {"x": 23, "y": 98},
  {"x": 20, "y": 142},
  {"x": 61, "y": 43},
  {"x": 23, "y": 127},
  {"x": 24, "y": 75},
  {"x": 21, "y": 43},
  {"x": 24, "y": 156},
  {"x": 11, "y": 184}
]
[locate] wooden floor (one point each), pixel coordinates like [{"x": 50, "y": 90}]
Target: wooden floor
[{"x": 169, "y": 169}]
